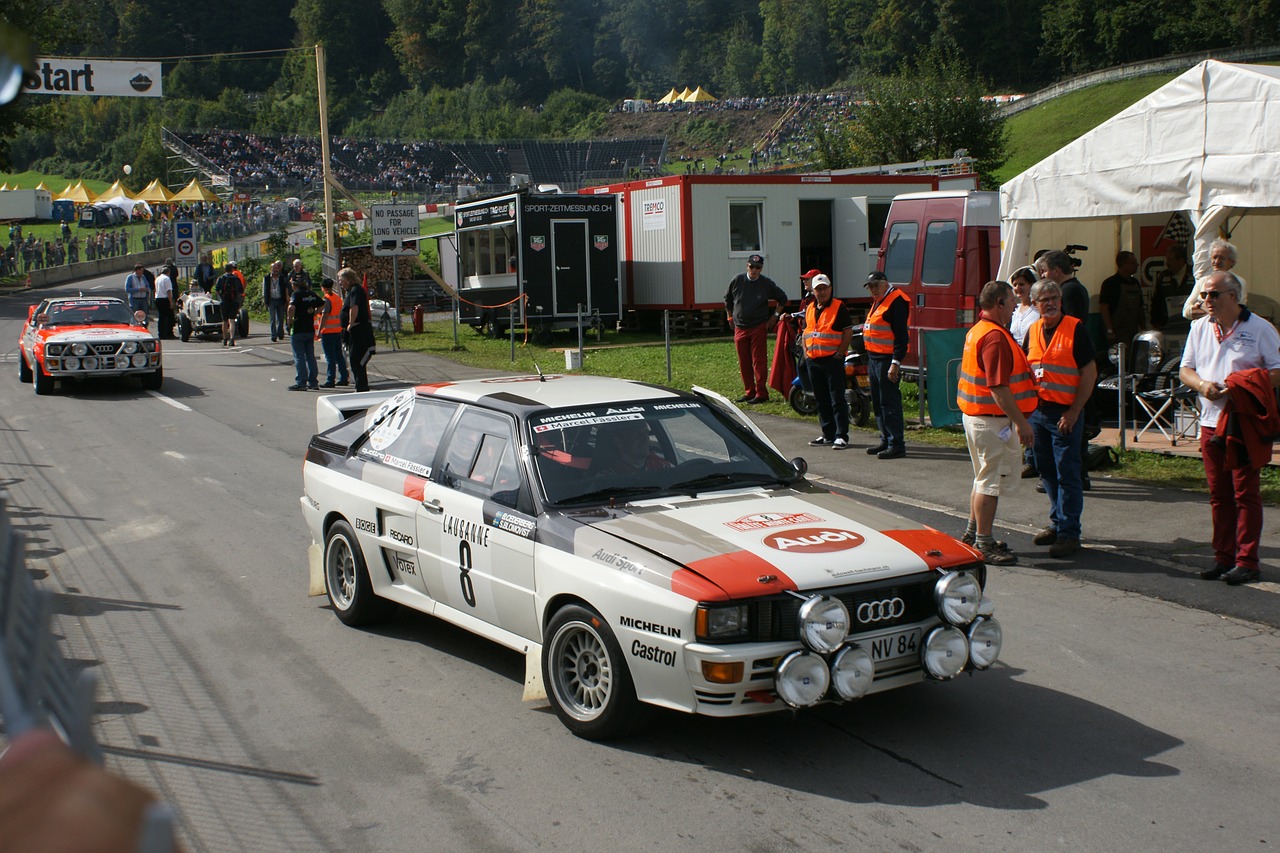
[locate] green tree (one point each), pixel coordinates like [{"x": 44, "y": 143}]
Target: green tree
[{"x": 794, "y": 49}]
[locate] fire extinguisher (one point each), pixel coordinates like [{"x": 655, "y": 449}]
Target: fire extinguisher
[{"x": 417, "y": 318}]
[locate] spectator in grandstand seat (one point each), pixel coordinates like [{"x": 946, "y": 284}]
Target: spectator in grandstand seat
[
  {"x": 329, "y": 323},
  {"x": 747, "y": 308},
  {"x": 358, "y": 323},
  {"x": 276, "y": 291}
]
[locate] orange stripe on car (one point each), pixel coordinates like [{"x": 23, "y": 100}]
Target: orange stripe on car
[
  {"x": 430, "y": 387},
  {"x": 936, "y": 548},
  {"x": 414, "y": 487},
  {"x": 739, "y": 574}
]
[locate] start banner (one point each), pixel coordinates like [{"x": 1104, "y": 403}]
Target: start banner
[{"x": 112, "y": 77}]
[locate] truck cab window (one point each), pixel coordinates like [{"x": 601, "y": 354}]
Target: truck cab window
[
  {"x": 940, "y": 241},
  {"x": 900, "y": 251}
]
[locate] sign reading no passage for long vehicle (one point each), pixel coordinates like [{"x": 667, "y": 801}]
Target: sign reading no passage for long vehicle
[{"x": 390, "y": 225}]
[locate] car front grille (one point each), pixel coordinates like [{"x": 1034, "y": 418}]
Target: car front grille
[{"x": 888, "y": 603}]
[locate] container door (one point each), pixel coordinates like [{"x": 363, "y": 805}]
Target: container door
[{"x": 571, "y": 268}]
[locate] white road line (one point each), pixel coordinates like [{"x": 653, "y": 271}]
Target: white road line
[{"x": 169, "y": 400}]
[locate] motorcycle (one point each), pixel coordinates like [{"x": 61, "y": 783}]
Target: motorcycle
[{"x": 857, "y": 384}]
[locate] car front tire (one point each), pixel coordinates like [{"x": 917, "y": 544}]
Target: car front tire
[
  {"x": 153, "y": 381},
  {"x": 43, "y": 382},
  {"x": 184, "y": 327},
  {"x": 242, "y": 323},
  {"x": 346, "y": 579},
  {"x": 24, "y": 369},
  {"x": 586, "y": 676}
]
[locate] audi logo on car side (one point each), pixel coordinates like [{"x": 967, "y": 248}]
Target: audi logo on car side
[{"x": 881, "y": 611}]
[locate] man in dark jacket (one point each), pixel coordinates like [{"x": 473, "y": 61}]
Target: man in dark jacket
[
  {"x": 301, "y": 318},
  {"x": 746, "y": 305},
  {"x": 359, "y": 326}
]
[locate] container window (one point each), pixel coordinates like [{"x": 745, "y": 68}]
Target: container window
[{"x": 746, "y": 226}]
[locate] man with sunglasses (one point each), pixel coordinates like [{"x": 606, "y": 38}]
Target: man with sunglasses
[
  {"x": 1223, "y": 350},
  {"x": 746, "y": 305}
]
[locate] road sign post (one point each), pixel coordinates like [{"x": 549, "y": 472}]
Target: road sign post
[
  {"x": 389, "y": 226},
  {"x": 186, "y": 249}
]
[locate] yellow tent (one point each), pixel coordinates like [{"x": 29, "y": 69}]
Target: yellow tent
[
  {"x": 698, "y": 95},
  {"x": 41, "y": 186},
  {"x": 77, "y": 193},
  {"x": 4, "y": 187},
  {"x": 194, "y": 191},
  {"x": 670, "y": 97},
  {"x": 684, "y": 96},
  {"x": 118, "y": 189},
  {"x": 156, "y": 193}
]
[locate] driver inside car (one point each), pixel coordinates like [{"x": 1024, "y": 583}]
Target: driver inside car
[{"x": 624, "y": 448}]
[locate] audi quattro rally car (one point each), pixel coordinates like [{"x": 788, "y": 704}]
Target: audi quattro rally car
[
  {"x": 641, "y": 546},
  {"x": 78, "y": 337}
]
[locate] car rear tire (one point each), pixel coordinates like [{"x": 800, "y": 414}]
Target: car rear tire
[
  {"x": 587, "y": 678},
  {"x": 153, "y": 381},
  {"x": 346, "y": 579},
  {"x": 184, "y": 327},
  {"x": 242, "y": 323},
  {"x": 24, "y": 369},
  {"x": 42, "y": 381}
]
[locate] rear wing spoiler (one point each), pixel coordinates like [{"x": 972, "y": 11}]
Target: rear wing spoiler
[{"x": 333, "y": 409}]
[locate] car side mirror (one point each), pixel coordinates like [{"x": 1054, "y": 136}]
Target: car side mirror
[{"x": 801, "y": 466}]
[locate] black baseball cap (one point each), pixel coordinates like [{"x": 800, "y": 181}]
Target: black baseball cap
[
  {"x": 875, "y": 276},
  {"x": 756, "y": 260}
]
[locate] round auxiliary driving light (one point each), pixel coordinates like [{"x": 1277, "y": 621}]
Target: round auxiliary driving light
[
  {"x": 945, "y": 652},
  {"x": 139, "y": 360},
  {"x": 130, "y": 347},
  {"x": 80, "y": 349},
  {"x": 985, "y": 639},
  {"x": 71, "y": 364},
  {"x": 852, "y": 671},
  {"x": 957, "y": 596},
  {"x": 802, "y": 679},
  {"x": 90, "y": 364},
  {"x": 824, "y": 623}
]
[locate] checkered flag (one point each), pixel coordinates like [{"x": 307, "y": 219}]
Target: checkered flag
[{"x": 1177, "y": 230}]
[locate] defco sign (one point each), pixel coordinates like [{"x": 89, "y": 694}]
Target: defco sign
[{"x": 814, "y": 540}]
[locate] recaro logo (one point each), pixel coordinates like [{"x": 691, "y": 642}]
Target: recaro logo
[{"x": 814, "y": 540}]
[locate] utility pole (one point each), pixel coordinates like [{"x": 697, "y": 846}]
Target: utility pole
[{"x": 324, "y": 150}]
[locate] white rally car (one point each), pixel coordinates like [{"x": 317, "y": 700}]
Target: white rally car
[
  {"x": 641, "y": 546},
  {"x": 80, "y": 337}
]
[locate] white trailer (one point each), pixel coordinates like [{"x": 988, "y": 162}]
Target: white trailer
[{"x": 26, "y": 204}]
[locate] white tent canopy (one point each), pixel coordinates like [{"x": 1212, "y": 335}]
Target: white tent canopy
[
  {"x": 128, "y": 205},
  {"x": 1206, "y": 143}
]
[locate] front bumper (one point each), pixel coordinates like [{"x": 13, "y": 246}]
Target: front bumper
[{"x": 88, "y": 367}]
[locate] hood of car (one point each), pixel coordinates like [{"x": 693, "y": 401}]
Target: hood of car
[
  {"x": 94, "y": 333},
  {"x": 753, "y": 544}
]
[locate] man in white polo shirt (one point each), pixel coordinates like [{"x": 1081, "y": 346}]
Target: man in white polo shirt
[{"x": 1221, "y": 348}]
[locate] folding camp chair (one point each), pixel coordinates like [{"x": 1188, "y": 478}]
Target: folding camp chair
[{"x": 1172, "y": 408}]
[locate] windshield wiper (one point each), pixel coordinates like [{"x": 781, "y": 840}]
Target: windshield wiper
[
  {"x": 733, "y": 478},
  {"x": 610, "y": 492}
]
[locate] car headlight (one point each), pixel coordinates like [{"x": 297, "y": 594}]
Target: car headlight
[
  {"x": 80, "y": 349},
  {"x": 71, "y": 364},
  {"x": 90, "y": 364},
  {"x": 824, "y": 623},
  {"x": 715, "y": 622},
  {"x": 985, "y": 639},
  {"x": 139, "y": 360},
  {"x": 130, "y": 347},
  {"x": 802, "y": 679},
  {"x": 852, "y": 671},
  {"x": 957, "y": 596},
  {"x": 945, "y": 652},
  {"x": 1113, "y": 354},
  {"x": 1155, "y": 355}
]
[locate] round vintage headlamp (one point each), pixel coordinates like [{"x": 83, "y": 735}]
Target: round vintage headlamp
[
  {"x": 945, "y": 652},
  {"x": 802, "y": 679},
  {"x": 985, "y": 639},
  {"x": 139, "y": 360},
  {"x": 71, "y": 364},
  {"x": 824, "y": 623},
  {"x": 1113, "y": 353},
  {"x": 130, "y": 347},
  {"x": 957, "y": 595},
  {"x": 90, "y": 363},
  {"x": 80, "y": 349},
  {"x": 852, "y": 671}
]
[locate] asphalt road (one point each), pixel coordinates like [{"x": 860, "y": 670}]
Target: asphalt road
[{"x": 1135, "y": 706}]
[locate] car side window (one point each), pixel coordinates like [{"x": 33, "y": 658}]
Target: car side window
[
  {"x": 481, "y": 460},
  {"x": 419, "y": 440}
]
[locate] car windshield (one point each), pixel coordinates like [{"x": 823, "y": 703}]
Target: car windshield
[
  {"x": 647, "y": 449},
  {"x": 89, "y": 314}
]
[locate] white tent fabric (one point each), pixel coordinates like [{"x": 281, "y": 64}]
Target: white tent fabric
[
  {"x": 128, "y": 205},
  {"x": 1207, "y": 143}
]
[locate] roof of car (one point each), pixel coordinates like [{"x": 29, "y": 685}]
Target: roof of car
[
  {"x": 551, "y": 391},
  {"x": 90, "y": 300}
]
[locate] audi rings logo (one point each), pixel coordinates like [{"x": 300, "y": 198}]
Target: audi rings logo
[{"x": 881, "y": 611}]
